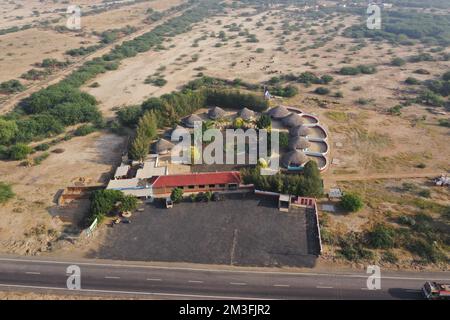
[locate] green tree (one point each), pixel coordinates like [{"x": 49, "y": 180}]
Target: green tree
[
  {"x": 19, "y": 151},
  {"x": 128, "y": 203},
  {"x": 8, "y": 130},
  {"x": 103, "y": 202},
  {"x": 129, "y": 116},
  {"x": 147, "y": 126},
  {"x": 177, "y": 195},
  {"x": 139, "y": 148},
  {"x": 313, "y": 186},
  {"x": 352, "y": 202}
]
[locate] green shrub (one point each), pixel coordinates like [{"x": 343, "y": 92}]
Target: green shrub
[
  {"x": 6, "y": 192},
  {"x": 398, "y": 62},
  {"x": 11, "y": 86},
  {"x": 19, "y": 151},
  {"x": 351, "y": 202},
  {"x": 412, "y": 81},
  {"x": 8, "y": 130},
  {"x": 389, "y": 257},
  {"x": 177, "y": 195},
  {"x": 352, "y": 249},
  {"x": 42, "y": 147},
  {"x": 381, "y": 237},
  {"x": 424, "y": 193},
  {"x": 38, "y": 160},
  {"x": 428, "y": 251},
  {"x": 84, "y": 130},
  {"x": 322, "y": 91},
  {"x": 129, "y": 116}
]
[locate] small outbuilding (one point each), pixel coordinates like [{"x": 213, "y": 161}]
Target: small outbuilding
[{"x": 284, "y": 203}]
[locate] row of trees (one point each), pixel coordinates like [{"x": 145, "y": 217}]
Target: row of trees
[{"x": 146, "y": 132}]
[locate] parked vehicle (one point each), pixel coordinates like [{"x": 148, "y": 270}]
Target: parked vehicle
[
  {"x": 436, "y": 291},
  {"x": 126, "y": 221}
]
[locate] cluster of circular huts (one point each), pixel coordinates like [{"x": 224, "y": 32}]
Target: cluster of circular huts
[{"x": 294, "y": 159}]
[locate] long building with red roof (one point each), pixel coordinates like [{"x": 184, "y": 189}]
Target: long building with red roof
[{"x": 196, "y": 182}]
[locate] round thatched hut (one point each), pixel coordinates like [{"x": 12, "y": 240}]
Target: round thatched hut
[
  {"x": 216, "y": 113},
  {"x": 293, "y": 120},
  {"x": 162, "y": 146},
  {"x": 279, "y": 112},
  {"x": 294, "y": 159},
  {"x": 298, "y": 143},
  {"x": 190, "y": 121},
  {"x": 299, "y": 131},
  {"x": 246, "y": 114}
]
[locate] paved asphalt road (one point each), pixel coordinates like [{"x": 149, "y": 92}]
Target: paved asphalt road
[{"x": 123, "y": 279}]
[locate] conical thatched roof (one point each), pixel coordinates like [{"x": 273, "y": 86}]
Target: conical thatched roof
[
  {"x": 299, "y": 131},
  {"x": 279, "y": 112},
  {"x": 294, "y": 158},
  {"x": 190, "y": 121},
  {"x": 163, "y": 146},
  {"x": 216, "y": 113},
  {"x": 293, "y": 120},
  {"x": 179, "y": 132},
  {"x": 246, "y": 114},
  {"x": 298, "y": 143}
]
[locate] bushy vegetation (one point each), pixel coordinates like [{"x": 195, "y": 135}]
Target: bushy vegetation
[
  {"x": 177, "y": 195},
  {"x": 309, "y": 184},
  {"x": 352, "y": 202},
  {"x": 361, "y": 69},
  {"x": 82, "y": 51},
  {"x": 84, "y": 130},
  {"x": 322, "y": 90},
  {"x": 129, "y": 116},
  {"x": 11, "y": 86},
  {"x": 104, "y": 201},
  {"x": 6, "y": 192},
  {"x": 381, "y": 237},
  {"x": 352, "y": 247},
  {"x": 403, "y": 26},
  {"x": 19, "y": 151}
]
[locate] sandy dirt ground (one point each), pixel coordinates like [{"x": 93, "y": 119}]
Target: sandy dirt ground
[
  {"x": 26, "y": 225},
  {"x": 19, "y": 51}
]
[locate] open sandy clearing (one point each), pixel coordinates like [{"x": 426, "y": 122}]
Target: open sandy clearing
[{"x": 89, "y": 159}]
